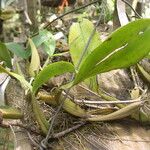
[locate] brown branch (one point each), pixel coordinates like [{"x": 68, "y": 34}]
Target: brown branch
[{"x": 61, "y": 134}]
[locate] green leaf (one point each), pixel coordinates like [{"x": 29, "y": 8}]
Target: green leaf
[
  {"x": 35, "y": 60},
  {"x": 18, "y": 50},
  {"x": 125, "y": 47},
  {"x": 46, "y": 39},
  {"x": 49, "y": 46},
  {"x": 5, "y": 55},
  {"x": 25, "y": 84},
  {"x": 92, "y": 83},
  {"x": 144, "y": 73},
  {"x": 50, "y": 71},
  {"x": 78, "y": 38}
]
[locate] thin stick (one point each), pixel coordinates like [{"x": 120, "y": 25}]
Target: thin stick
[
  {"x": 89, "y": 40},
  {"x": 107, "y": 102},
  {"x": 45, "y": 141},
  {"x": 33, "y": 141},
  {"x": 136, "y": 13},
  {"x": 61, "y": 134},
  {"x": 99, "y": 107},
  {"x": 69, "y": 12}
]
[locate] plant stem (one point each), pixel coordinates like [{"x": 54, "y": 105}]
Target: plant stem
[
  {"x": 39, "y": 115},
  {"x": 10, "y": 113}
]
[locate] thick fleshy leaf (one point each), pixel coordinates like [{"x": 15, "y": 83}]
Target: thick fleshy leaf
[
  {"x": 125, "y": 47},
  {"x": 78, "y": 37},
  {"x": 46, "y": 40},
  {"x": 35, "y": 60},
  {"x": 50, "y": 71},
  {"x": 5, "y": 55},
  {"x": 18, "y": 50},
  {"x": 22, "y": 80}
]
